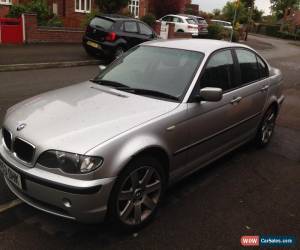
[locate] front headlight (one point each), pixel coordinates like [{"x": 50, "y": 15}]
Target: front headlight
[{"x": 69, "y": 162}]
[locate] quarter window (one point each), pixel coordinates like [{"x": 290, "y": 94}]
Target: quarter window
[
  {"x": 131, "y": 27},
  {"x": 83, "y": 6},
  {"x": 145, "y": 30},
  {"x": 248, "y": 66},
  {"x": 219, "y": 72}
]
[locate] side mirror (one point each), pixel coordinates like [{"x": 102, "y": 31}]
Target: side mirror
[
  {"x": 102, "y": 67},
  {"x": 211, "y": 94}
]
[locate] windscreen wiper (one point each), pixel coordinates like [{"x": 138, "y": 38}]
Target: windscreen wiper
[
  {"x": 148, "y": 92},
  {"x": 109, "y": 83}
]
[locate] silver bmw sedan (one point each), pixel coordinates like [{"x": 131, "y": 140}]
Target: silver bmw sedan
[{"x": 109, "y": 147}]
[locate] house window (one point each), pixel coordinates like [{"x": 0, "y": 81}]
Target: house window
[
  {"x": 6, "y": 2},
  {"x": 83, "y": 6},
  {"x": 134, "y": 7}
]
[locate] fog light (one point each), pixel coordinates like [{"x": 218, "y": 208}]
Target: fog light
[{"x": 67, "y": 203}]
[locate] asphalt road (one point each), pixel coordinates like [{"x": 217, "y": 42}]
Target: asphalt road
[{"x": 248, "y": 192}]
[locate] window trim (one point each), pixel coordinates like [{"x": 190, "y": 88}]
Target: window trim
[
  {"x": 79, "y": 10},
  {"x": 240, "y": 73},
  {"x": 233, "y": 49},
  {"x": 197, "y": 86},
  {"x": 6, "y": 2}
]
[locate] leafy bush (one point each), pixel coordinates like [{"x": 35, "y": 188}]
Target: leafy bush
[
  {"x": 272, "y": 30},
  {"x": 36, "y": 6},
  {"x": 16, "y": 10},
  {"x": 215, "y": 31},
  {"x": 40, "y": 8},
  {"x": 149, "y": 19},
  {"x": 287, "y": 35},
  {"x": 55, "y": 21}
]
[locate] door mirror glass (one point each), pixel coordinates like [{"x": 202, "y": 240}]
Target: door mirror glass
[{"x": 211, "y": 94}]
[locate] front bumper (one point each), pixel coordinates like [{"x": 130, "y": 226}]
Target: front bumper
[{"x": 83, "y": 200}]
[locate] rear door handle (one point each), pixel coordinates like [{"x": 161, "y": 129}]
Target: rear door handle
[
  {"x": 265, "y": 88},
  {"x": 236, "y": 100}
]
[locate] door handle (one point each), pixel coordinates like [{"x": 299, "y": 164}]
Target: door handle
[
  {"x": 236, "y": 100},
  {"x": 265, "y": 88}
]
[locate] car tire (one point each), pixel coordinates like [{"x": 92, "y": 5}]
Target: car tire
[
  {"x": 266, "y": 128},
  {"x": 137, "y": 193},
  {"x": 90, "y": 52}
]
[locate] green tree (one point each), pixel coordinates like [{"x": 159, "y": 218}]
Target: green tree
[
  {"x": 216, "y": 12},
  {"x": 257, "y": 14},
  {"x": 229, "y": 11},
  {"x": 111, "y": 6},
  {"x": 279, "y": 6}
]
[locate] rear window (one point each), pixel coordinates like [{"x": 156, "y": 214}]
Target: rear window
[
  {"x": 101, "y": 23},
  {"x": 201, "y": 21},
  {"x": 190, "y": 21}
]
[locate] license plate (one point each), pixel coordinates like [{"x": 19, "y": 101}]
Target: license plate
[
  {"x": 94, "y": 45},
  {"x": 11, "y": 175}
]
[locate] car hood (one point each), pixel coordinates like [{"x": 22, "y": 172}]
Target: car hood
[{"x": 79, "y": 117}]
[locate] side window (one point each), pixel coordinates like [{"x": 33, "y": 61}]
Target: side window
[
  {"x": 175, "y": 19},
  {"x": 263, "y": 68},
  {"x": 248, "y": 65},
  {"x": 219, "y": 72},
  {"x": 166, "y": 18},
  {"x": 131, "y": 27},
  {"x": 145, "y": 30}
]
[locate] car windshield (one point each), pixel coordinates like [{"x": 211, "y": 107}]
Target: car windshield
[{"x": 158, "y": 70}]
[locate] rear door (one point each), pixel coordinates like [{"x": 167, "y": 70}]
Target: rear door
[{"x": 252, "y": 87}]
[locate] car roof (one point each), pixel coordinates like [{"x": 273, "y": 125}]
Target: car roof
[
  {"x": 191, "y": 16},
  {"x": 115, "y": 17},
  {"x": 216, "y": 20},
  {"x": 183, "y": 16},
  {"x": 206, "y": 46}
]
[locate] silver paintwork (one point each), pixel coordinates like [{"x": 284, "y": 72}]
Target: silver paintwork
[{"x": 100, "y": 121}]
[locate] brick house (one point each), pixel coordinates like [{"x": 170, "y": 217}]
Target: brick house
[{"x": 73, "y": 12}]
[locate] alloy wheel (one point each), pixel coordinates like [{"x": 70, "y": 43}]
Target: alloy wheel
[
  {"x": 267, "y": 128},
  {"x": 139, "y": 195}
]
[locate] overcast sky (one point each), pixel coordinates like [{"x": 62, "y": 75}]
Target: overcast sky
[{"x": 209, "y": 5}]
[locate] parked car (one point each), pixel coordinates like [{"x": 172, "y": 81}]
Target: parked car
[
  {"x": 226, "y": 25},
  {"x": 112, "y": 35},
  {"x": 182, "y": 23},
  {"x": 112, "y": 145},
  {"x": 202, "y": 24}
]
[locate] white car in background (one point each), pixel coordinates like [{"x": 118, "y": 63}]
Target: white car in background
[
  {"x": 226, "y": 25},
  {"x": 182, "y": 23}
]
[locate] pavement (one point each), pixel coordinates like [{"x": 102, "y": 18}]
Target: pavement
[
  {"x": 39, "y": 56},
  {"x": 248, "y": 192}
]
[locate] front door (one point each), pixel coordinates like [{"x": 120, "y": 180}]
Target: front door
[{"x": 213, "y": 126}]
